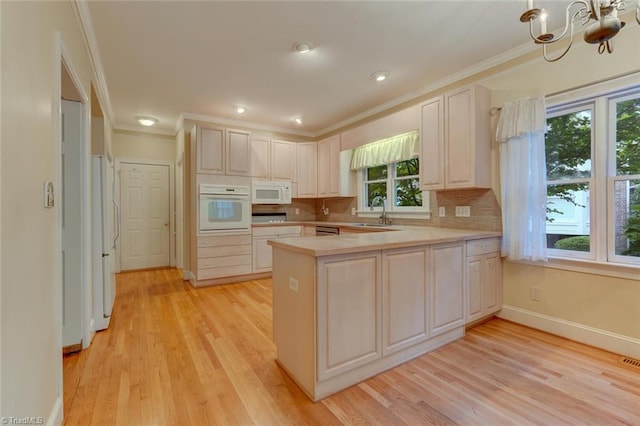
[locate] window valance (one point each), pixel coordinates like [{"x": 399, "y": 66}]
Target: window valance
[{"x": 385, "y": 151}]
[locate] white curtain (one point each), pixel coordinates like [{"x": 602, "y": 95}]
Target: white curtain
[
  {"x": 385, "y": 151},
  {"x": 523, "y": 179}
]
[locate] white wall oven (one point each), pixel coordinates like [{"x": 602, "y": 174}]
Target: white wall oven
[{"x": 225, "y": 208}]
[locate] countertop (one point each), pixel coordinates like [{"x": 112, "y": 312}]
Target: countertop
[{"x": 397, "y": 236}]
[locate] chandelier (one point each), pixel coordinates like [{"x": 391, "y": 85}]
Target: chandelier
[{"x": 599, "y": 18}]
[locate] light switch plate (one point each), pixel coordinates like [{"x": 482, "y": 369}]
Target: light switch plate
[
  {"x": 463, "y": 211},
  {"x": 293, "y": 284},
  {"x": 441, "y": 212}
]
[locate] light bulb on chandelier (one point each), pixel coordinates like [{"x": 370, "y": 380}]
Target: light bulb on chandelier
[{"x": 598, "y": 17}]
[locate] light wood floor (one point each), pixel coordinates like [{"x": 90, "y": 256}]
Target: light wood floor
[{"x": 177, "y": 355}]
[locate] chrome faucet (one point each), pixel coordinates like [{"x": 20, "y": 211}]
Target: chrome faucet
[{"x": 383, "y": 216}]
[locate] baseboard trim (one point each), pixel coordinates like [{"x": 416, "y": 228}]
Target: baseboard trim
[
  {"x": 186, "y": 275},
  {"x": 592, "y": 336},
  {"x": 55, "y": 416}
]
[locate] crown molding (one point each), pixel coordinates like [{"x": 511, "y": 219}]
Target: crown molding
[
  {"x": 81, "y": 10},
  {"x": 244, "y": 124}
]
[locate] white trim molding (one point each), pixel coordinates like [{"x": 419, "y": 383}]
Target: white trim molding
[
  {"x": 592, "y": 336},
  {"x": 55, "y": 416}
]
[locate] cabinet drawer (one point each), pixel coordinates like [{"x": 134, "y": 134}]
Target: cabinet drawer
[
  {"x": 483, "y": 246},
  {"x": 218, "y": 262},
  {"x": 223, "y": 251},
  {"x": 224, "y": 240},
  {"x": 225, "y": 271},
  {"x": 260, "y": 231}
]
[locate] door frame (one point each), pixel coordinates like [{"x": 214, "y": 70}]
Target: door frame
[
  {"x": 172, "y": 202},
  {"x": 63, "y": 58}
]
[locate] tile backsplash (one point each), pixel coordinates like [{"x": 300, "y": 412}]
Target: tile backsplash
[{"x": 485, "y": 210}]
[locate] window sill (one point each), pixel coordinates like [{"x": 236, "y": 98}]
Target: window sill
[{"x": 607, "y": 269}]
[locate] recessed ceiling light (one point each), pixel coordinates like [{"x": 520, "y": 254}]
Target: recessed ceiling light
[
  {"x": 240, "y": 109},
  {"x": 298, "y": 121},
  {"x": 302, "y": 47},
  {"x": 380, "y": 76},
  {"x": 146, "y": 121}
]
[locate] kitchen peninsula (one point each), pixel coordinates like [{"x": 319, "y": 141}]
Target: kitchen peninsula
[{"x": 350, "y": 306}]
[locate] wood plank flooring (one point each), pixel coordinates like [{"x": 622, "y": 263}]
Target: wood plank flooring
[{"x": 175, "y": 355}]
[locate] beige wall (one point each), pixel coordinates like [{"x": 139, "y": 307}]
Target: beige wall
[
  {"x": 30, "y": 346},
  {"x": 606, "y": 303},
  {"x": 144, "y": 146}
]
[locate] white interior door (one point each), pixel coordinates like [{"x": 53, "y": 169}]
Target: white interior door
[
  {"x": 71, "y": 223},
  {"x": 144, "y": 197}
]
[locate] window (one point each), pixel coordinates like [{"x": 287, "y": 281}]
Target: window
[
  {"x": 593, "y": 177},
  {"x": 397, "y": 183}
]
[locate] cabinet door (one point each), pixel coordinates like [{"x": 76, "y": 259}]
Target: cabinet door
[
  {"x": 349, "y": 313},
  {"x": 447, "y": 287},
  {"x": 210, "y": 150},
  {"x": 238, "y": 153},
  {"x": 468, "y": 138},
  {"x": 492, "y": 284},
  {"x": 475, "y": 278},
  {"x": 405, "y": 298},
  {"x": 307, "y": 169},
  {"x": 283, "y": 156},
  {"x": 329, "y": 167},
  {"x": 262, "y": 254},
  {"x": 260, "y": 159},
  {"x": 432, "y": 144}
]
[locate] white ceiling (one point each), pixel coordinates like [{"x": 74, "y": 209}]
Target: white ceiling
[{"x": 164, "y": 58}]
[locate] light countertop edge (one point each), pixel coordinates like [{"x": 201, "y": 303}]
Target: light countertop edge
[{"x": 399, "y": 236}]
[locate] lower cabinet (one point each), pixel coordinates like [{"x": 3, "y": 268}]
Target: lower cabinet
[
  {"x": 405, "y": 298},
  {"x": 484, "y": 278},
  {"x": 349, "y": 318},
  {"x": 223, "y": 256},
  {"x": 447, "y": 287},
  {"x": 262, "y": 257}
]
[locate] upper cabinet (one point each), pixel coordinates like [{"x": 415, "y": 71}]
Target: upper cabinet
[
  {"x": 307, "y": 169},
  {"x": 222, "y": 151},
  {"x": 456, "y": 140},
  {"x": 260, "y": 158},
  {"x": 273, "y": 159},
  {"x": 335, "y": 177},
  {"x": 283, "y": 160}
]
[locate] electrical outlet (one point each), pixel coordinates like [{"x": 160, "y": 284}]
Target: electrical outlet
[
  {"x": 441, "y": 212},
  {"x": 297, "y": 210},
  {"x": 534, "y": 294},
  {"x": 353, "y": 211},
  {"x": 293, "y": 284}
]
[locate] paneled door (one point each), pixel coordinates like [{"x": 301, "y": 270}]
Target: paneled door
[{"x": 144, "y": 196}]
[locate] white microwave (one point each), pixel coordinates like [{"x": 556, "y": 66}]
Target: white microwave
[{"x": 270, "y": 192}]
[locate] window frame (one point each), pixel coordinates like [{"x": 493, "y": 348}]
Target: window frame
[
  {"x": 558, "y": 111},
  {"x": 396, "y": 211},
  {"x": 604, "y": 96}
]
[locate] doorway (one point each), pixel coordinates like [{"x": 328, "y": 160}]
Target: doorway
[
  {"x": 74, "y": 210},
  {"x": 146, "y": 189}
]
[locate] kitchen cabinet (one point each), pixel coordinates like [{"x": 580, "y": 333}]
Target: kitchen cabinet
[
  {"x": 339, "y": 319},
  {"x": 309, "y": 231},
  {"x": 484, "y": 278},
  {"x": 455, "y": 137},
  {"x": 447, "y": 287},
  {"x": 283, "y": 160},
  {"x": 405, "y": 298},
  {"x": 335, "y": 177},
  {"x": 222, "y": 151},
  {"x": 307, "y": 169},
  {"x": 349, "y": 319},
  {"x": 261, "y": 158},
  {"x": 223, "y": 256},
  {"x": 262, "y": 253},
  {"x": 238, "y": 154}
]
